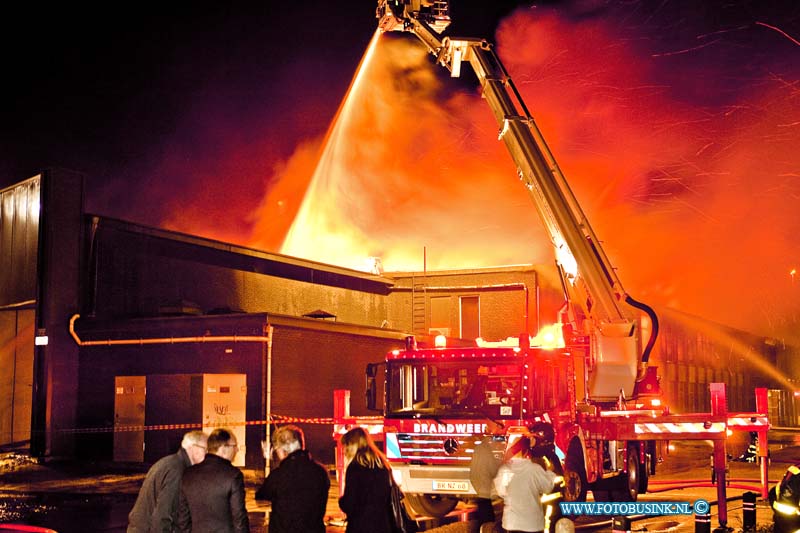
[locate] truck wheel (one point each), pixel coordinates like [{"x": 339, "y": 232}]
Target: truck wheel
[
  {"x": 575, "y": 483},
  {"x": 432, "y": 505},
  {"x": 649, "y": 467},
  {"x": 644, "y": 474},
  {"x": 630, "y": 482}
]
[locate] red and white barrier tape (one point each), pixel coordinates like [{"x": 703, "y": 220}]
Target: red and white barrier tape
[{"x": 275, "y": 419}]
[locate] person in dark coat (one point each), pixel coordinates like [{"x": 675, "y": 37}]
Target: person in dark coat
[
  {"x": 212, "y": 492},
  {"x": 366, "y": 486},
  {"x": 298, "y": 487},
  {"x": 156, "y": 507},
  {"x": 483, "y": 468}
]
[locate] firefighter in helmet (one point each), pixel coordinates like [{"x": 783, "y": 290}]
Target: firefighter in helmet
[
  {"x": 543, "y": 452},
  {"x": 784, "y": 498}
]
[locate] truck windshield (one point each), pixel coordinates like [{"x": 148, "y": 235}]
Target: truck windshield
[{"x": 454, "y": 389}]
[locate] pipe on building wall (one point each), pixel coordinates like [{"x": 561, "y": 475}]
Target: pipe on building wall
[
  {"x": 166, "y": 340},
  {"x": 268, "y": 398},
  {"x": 18, "y": 305},
  {"x": 519, "y": 286}
]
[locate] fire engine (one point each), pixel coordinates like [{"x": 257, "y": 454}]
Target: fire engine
[{"x": 593, "y": 388}]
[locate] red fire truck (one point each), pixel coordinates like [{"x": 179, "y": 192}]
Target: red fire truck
[
  {"x": 439, "y": 403},
  {"x": 592, "y": 387}
]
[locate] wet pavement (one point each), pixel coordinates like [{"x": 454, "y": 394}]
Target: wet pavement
[
  {"x": 96, "y": 497},
  {"x": 74, "y": 497}
]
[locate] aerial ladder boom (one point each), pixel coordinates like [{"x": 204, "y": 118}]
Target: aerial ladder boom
[{"x": 597, "y": 305}]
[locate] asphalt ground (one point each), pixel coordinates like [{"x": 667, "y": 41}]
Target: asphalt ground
[{"x": 86, "y": 497}]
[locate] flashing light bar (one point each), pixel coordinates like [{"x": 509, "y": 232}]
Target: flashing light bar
[{"x": 453, "y": 354}]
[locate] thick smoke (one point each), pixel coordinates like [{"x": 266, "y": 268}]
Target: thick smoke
[
  {"x": 685, "y": 166},
  {"x": 407, "y": 167},
  {"x": 682, "y": 155}
]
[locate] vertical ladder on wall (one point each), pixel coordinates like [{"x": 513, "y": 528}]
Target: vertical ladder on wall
[{"x": 418, "y": 306}]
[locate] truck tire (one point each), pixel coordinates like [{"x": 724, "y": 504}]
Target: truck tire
[
  {"x": 575, "y": 483},
  {"x": 649, "y": 467},
  {"x": 432, "y": 505},
  {"x": 629, "y": 482},
  {"x": 644, "y": 474}
]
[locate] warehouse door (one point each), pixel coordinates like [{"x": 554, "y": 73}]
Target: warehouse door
[
  {"x": 175, "y": 404},
  {"x": 225, "y": 405},
  {"x": 16, "y": 375},
  {"x": 128, "y": 414}
]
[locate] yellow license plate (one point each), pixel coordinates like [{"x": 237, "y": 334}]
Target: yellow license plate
[{"x": 451, "y": 486}]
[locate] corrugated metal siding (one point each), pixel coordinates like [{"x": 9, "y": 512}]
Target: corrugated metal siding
[{"x": 19, "y": 240}]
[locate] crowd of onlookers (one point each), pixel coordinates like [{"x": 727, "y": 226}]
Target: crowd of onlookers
[{"x": 198, "y": 489}]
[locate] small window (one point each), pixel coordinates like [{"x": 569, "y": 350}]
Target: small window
[{"x": 440, "y": 313}]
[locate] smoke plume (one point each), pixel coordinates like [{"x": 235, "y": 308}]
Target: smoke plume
[{"x": 683, "y": 158}]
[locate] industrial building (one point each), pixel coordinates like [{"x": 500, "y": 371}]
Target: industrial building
[
  {"x": 115, "y": 337},
  {"x": 95, "y": 312}
]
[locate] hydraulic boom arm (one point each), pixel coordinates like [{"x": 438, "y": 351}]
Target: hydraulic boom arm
[{"x": 598, "y": 305}]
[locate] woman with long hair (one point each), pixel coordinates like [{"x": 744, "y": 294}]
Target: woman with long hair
[{"x": 366, "y": 484}]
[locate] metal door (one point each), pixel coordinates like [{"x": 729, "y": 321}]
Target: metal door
[
  {"x": 129, "y": 402},
  {"x": 225, "y": 405}
]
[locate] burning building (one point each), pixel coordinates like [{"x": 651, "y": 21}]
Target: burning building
[
  {"x": 96, "y": 311},
  {"x": 116, "y": 337}
]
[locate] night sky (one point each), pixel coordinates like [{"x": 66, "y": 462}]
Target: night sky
[
  {"x": 149, "y": 102},
  {"x": 677, "y": 123}
]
